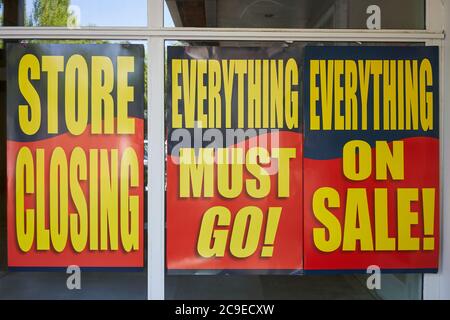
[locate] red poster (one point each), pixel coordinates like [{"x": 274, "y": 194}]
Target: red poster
[
  {"x": 234, "y": 163},
  {"x": 371, "y": 159}
]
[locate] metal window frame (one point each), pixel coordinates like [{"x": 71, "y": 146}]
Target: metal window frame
[
  {"x": 220, "y": 34},
  {"x": 156, "y": 34}
]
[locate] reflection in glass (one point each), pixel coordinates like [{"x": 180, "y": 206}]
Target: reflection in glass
[
  {"x": 1, "y": 13},
  {"x": 74, "y": 13},
  {"x": 328, "y": 14}
]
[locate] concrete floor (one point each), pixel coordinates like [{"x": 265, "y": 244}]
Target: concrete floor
[{"x": 133, "y": 285}]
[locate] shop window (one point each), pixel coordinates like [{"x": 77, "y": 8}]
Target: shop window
[
  {"x": 188, "y": 276},
  {"x": 74, "y": 13},
  {"x": 51, "y": 282}
]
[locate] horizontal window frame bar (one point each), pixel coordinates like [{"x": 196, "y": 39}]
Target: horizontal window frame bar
[{"x": 221, "y": 34}]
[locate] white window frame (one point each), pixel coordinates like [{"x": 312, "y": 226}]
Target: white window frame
[{"x": 156, "y": 35}]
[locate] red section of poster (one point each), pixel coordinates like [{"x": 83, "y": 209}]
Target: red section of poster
[
  {"x": 421, "y": 172},
  {"x": 93, "y": 255},
  {"x": 186, "y": 215}
]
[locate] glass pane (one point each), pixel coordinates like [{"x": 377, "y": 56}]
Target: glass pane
[
  {"x": 74, "y": 13},
  {"x": 49, "y": 283},
  {"x": 1, "y": 12},
  {"x": 328, "y": 14},
  {"x": 190, "y": 283}
]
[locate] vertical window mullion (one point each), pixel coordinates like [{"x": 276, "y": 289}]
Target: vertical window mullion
[{"x": 156, "y": 168}]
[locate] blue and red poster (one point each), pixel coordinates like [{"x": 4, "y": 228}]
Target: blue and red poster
[
  {"x": 306, "y": 159},
  {"x": 75, "y": 153},
  {"x": 371, "y": 158},
  {"x": 278, "y": 159},
  {"x": 234, "y": 163}
]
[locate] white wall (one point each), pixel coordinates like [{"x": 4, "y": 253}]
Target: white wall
[{"x": 438, "y": 286}]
